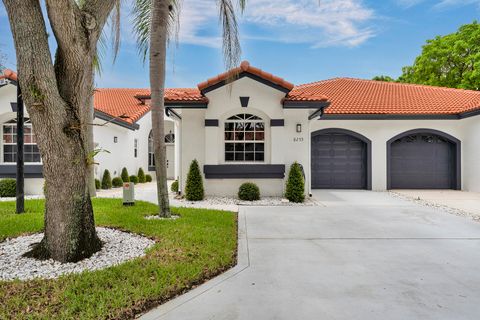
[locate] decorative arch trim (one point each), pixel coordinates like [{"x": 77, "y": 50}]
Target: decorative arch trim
[
  {"x": 358, "y": 136},
  {"x": 458, "y": 153}
]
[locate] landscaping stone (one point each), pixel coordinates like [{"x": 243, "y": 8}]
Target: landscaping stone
[{"x": 118, "y": 247}]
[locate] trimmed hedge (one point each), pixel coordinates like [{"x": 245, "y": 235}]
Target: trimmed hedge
[
  {"x": 174, "y": 186},
  {"x": 141, "y": 176},
  {"x": 249, "y": 192},
  {"x": 117, "y": 182},
  {"x": 148, "y": 178},
  {"x": 8, "y": 188},
  {"x": 125, "y": 177},
  {"x": 134, "y": 179},
  {"x": 106, "y": 180},
  {"x": 295, "y": 188},
  {"x": 194, "y": 188},
  {"x": 98, "y": 184}
]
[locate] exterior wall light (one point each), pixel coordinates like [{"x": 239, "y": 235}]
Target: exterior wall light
[
  {"x": 299, "y": 127},
  {"x": 115, "y": 139}
]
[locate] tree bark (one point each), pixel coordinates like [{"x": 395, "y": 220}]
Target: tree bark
[
  {"x": 158, "y": 53},
  {"x": 58, "y": 99}
]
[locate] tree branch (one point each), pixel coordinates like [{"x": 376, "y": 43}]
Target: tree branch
[{"x": 99, "y": 11}]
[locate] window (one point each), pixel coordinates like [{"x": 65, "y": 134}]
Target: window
[
  {"x": 31, "y": 152},
  {"x": 151, "y": 156},
  {"x": 244, "y": 138},
  {"x": 135, "y": 147}
]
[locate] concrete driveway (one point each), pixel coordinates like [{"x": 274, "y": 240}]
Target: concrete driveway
[{"x": 363, "y": 255}]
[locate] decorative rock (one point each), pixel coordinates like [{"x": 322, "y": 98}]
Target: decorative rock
[
  {"x": 118, "y": 247},
  {"x": 157, "y": 217}
]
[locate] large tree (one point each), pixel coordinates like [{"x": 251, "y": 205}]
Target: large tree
[
  {"x": 154, "y": 23},
  {"x": 449, "y": 61},
  {"x": 57, "y": 93}
]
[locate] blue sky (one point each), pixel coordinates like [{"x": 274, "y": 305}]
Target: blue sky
[{"x": 299, "y": 40}]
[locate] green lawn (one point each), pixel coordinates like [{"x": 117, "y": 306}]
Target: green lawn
[{"x": 188, "y": 251}]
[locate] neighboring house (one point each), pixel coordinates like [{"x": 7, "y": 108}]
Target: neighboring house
[
  {"x": 249, "y": 125},
  {"x": 122, "y": 129}
]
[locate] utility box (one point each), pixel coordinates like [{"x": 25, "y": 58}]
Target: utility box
[{"x": 128, "y": 193}]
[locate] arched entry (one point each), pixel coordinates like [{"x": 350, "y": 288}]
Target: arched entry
[
  {"x": 423, "y": 159},
  {"x": 340, "y": 159}
]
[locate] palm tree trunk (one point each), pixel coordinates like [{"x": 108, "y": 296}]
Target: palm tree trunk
[{"x": 158, "y": 53}]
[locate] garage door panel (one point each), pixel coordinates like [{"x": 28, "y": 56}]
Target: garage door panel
[
  {"x": 338, "y": 162},
  {"x": 422, "y": 161}
]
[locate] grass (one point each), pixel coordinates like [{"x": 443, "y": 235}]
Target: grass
[{"x": 188, "y": 251}]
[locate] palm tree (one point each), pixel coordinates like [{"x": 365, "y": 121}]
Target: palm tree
[{"x": 154, "y": 22}]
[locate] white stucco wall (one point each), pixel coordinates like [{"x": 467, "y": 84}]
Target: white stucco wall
[{"x": 471, "y": 151}]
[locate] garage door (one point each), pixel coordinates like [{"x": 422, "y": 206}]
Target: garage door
[
  {"x": 339, "y": 161},
  {"x": 422, "y": 161}
]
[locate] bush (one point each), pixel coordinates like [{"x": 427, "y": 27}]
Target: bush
[
  {"x": 134, "y": 179},
  {"x": 194, "y": 188},
  {"x": 125, "y": 177},
  {"x": 98, "y": 185},
  {"x": 148, "y": 178},
  {"x": 8, "y": 188},
  {"x": 141, "y": 176},
  {"x": 174, "y": 186},
  {"x": 295, "y": 188},
  {"x": 249, "y": 192},
  {"x": 117, "y": 182},
  {"x": 106, "y": 180}
]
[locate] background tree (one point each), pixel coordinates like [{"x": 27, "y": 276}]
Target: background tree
[
  {"x": 58, "y": 98},
  {"x": 383, "y": 78},
  {"x": 154, "y": 22},
  {"x": 449, "y": 61}
]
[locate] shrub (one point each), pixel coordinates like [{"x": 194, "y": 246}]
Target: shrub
[
  {"x": 148, "y": 178},
  {"x": 249, "y": 192},
  {"x": 174, "y": 186},
  {"x": 295, "y": 188},
  {"x": 141, "y": 176},
  {"x": 194, "y": 187},
  {"x": 98, "y": 185},
  {"x": 106, "y": 180},
  {"x": 8, "y": 188},
  {"x": 117, "y": 182},
  {"x": 134, "y": 179},
  {"x": 125, "y": 177}
]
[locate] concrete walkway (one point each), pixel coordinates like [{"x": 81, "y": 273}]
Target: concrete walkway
[
  {"x": 462, "y": 200},
  {"x": 363, "y": 255}
]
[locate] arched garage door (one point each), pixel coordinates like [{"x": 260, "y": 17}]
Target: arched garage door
[
  {"x": 423, "y": 159},
  {"x": 340, "y": 159}
]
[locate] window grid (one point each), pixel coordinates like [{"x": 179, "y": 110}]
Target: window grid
[
  {"x": 244, "y": 139},
  {"x": 31, "y": 153}
]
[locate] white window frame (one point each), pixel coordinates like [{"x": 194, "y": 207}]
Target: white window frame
[
  {"x": 244, "y": 118},
  {"x": 13, "y": 124}
]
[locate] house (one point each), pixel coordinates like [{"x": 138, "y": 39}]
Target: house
[
  {"x": 249, "y": 125},
  {"x": 122, "y": 130}
]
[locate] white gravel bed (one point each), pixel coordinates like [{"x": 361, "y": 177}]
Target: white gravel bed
[
  {"x": 157, "y": 217},
  {"x": 118, "y": 247},
  {"x": 232, "y": 204},
  {"x": 441, "y": 207}
]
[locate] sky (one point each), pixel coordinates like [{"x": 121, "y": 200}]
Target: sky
[{"x": 299, "y": 40}]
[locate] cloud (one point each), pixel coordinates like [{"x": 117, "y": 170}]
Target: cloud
[
  {"x": 409, "y": 3},
  {"x": 439, "y": 4},
  {"x": 319, "y": 23}
]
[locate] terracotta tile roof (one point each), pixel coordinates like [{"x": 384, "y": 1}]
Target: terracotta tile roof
[
  {"x": 184, "y": 95},
  {"x": 356, "y": 96},
  {"x": 120, "y": 103},
  {"x": 9, "y": 74},
  {"x": 245, "y": 67}
]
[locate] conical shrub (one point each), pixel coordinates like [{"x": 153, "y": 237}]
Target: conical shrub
[
  {"x": 141, "y": 176},
  {"x": 194, "y": 188},
  {"x": 295, "y": 188},
  {"x": 106, "y": 180},
  {"x": 125, "y": 176}
]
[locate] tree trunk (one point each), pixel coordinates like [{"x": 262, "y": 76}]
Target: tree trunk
[
  {"x": 158, "y": 53},
  {"x": 58, "y": 100}
]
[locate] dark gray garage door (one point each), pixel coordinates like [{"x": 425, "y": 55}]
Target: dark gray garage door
[
  {"x": 422, "y": 161},
  {"x": 339, "y": 161}
]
